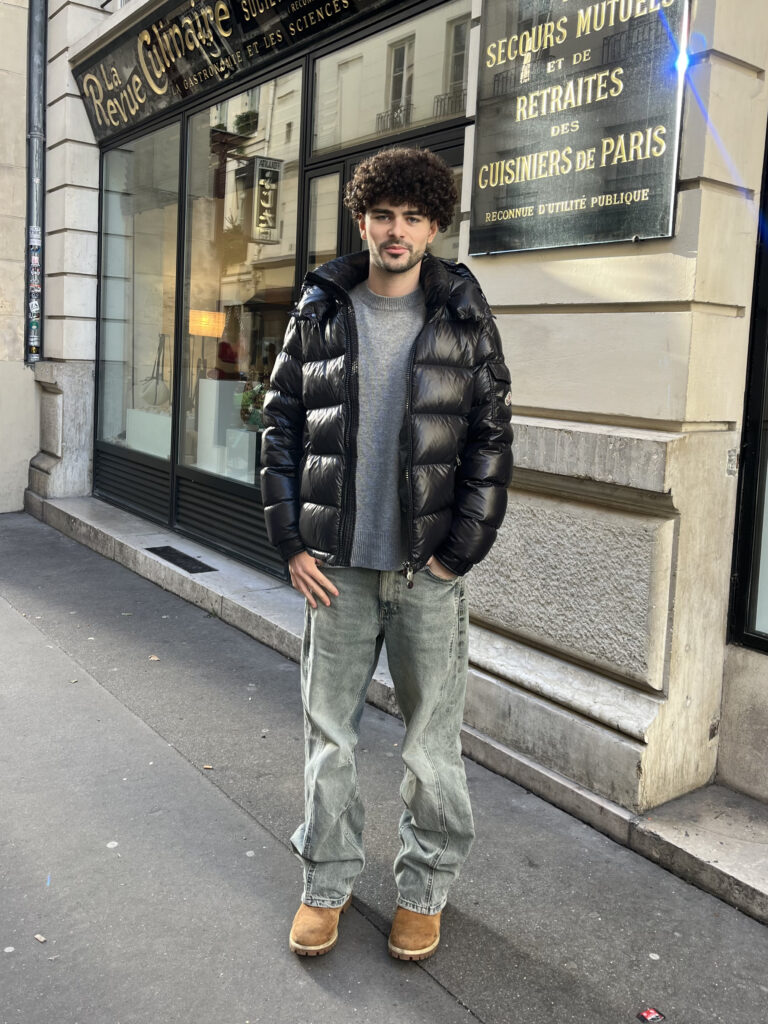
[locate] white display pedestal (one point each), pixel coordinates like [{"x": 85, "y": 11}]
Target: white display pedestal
[
  {"x": 148, "y": 432},
  {"x": 242, "y": 452},
  {"x": 216, "y": 416}
]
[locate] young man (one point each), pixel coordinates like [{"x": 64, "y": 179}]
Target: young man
[{"x": 386, "y": 462}]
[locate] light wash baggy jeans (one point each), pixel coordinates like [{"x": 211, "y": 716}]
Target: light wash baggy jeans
[{"x": 425, "y": 632}]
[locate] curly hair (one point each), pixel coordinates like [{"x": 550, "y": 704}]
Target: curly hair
[{"x": 404, "y": 176}]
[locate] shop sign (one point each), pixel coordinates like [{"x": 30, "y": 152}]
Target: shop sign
[
  {"x": 578, "y": 122},
  {"x": 265, "y": 206},
  {"x": 183, "y": 50}
]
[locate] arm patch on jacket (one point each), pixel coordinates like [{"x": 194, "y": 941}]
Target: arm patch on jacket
[{"x": 501, "y": 409}]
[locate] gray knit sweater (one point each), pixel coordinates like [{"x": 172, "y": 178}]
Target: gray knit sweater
[{"x": 386, "y": 328}]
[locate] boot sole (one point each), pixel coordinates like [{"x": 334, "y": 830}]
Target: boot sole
[
  {"x": 326, "y": 947},
  {"x": 413, "y": 954}
]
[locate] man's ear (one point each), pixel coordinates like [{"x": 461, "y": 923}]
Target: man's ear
[
  {"x": 433, "y": 226},
  {"x": 361, "y": 225}
]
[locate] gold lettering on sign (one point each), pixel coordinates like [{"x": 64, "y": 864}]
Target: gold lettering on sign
[
  {"x": 608, "y": 13},
  {"x": 630, "y": 147},
  {"x": 122, "y": 102},
  {"x": 253, "y": 8},
  {"x": 154, "y": 72},
  {"x": 534, "y": 40},
  {"x": 201, "y": 27},
  {"x": 576, "y": 92},
  {"x": 548, "y": 163},
  {"x": 320, "y": 13}
]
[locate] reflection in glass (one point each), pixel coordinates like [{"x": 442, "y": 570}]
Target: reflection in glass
[
  {"x": 446, "y": 243},
  {"x": 138, "y": 293},
  {"x": 411, "y": 75},
  {"x": 458, "y": 54},
  {"x": 239, "y": 272},
  {"x": 759, "y": 600},
  {"x": 324, "y": 198},
  {"x": 400, "y": 108}
]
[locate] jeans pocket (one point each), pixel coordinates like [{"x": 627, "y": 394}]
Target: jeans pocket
[{"x": 439, "y": 579}]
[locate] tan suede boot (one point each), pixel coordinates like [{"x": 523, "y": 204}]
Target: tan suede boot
[
  {"x": 315, "y": 930},
  {"x": 413, "y": 936}
]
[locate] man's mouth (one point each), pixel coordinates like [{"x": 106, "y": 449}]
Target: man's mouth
[{"x": 396, "y": 250}]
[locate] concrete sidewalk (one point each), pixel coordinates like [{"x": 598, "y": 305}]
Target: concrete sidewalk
[
  {"x": 114, "y": 697},
  {"x": 715, "y": 838}
]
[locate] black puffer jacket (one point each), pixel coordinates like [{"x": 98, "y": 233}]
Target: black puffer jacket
[{"x": 455, "y": 443}]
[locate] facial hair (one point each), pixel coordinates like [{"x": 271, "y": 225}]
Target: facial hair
[{"x": 413, "y": 258}]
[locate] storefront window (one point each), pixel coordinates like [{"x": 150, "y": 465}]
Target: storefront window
[
  {"x": 184, "y": 368},
  {"x": 409, "y": 76},
  {"x": 239, "y": 270},
  {"x": 324, "y": 201},
  {"x": 138, "y": 293}
]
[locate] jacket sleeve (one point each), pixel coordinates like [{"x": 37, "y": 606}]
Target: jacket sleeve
[
  {"x": 282, "y": 446},
  {"x": 484, "y": 475}
]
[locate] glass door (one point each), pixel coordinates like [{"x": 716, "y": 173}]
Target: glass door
[{"x": 324, "y": 207}]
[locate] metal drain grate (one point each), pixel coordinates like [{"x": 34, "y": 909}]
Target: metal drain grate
[{"x": 185, "y": 562}]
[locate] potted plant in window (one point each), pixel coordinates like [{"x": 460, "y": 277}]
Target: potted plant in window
[{"x": 250, "y": 401}]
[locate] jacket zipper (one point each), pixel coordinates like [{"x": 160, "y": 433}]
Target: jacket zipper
[
  {"x": 408, "y": 568},
  {"x": 348, "y": 510}
]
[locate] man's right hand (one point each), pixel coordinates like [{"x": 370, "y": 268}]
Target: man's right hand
[{"x": 309, "y": 581}]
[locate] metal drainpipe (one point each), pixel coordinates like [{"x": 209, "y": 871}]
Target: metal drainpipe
[{"x": 33, "y": 252}]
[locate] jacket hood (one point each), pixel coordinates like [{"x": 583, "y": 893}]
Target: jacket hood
[{"x": 446, "y": 285}]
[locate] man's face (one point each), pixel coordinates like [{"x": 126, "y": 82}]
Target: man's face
[{"x": 397, "y": 236}]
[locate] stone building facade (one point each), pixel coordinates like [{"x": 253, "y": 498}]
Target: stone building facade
[{"x": 604, "y": 667}]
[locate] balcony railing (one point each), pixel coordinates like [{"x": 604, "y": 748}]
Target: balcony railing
[
  {"x": 394, "y": 119},
  {"x": 639, "y": 37},
  {"x": 504, "y": 82},
  {"x": 450, "y": 104}
]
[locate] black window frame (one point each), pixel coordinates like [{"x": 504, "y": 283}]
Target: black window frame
[{"x": 753, "y": 459}]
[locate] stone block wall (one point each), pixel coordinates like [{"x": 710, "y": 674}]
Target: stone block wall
[{"x": 610, "y": 580}]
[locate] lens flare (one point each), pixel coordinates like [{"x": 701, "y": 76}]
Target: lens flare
[
  {"x": 683, "y": 62},
  {"x": 682, "y": 65}
]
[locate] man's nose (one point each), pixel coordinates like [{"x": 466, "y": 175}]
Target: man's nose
[{"x": 396, "y": 227}]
